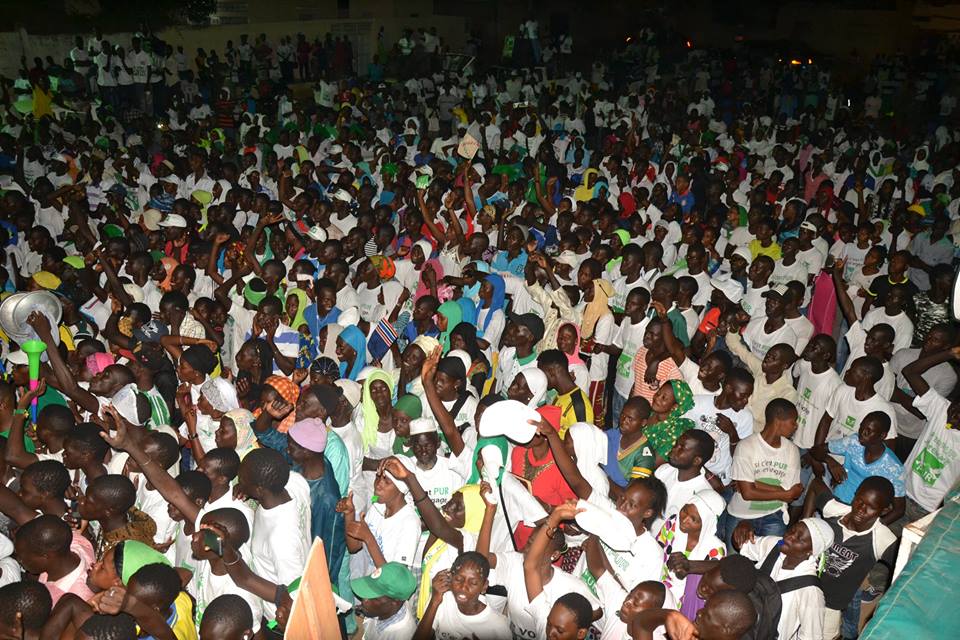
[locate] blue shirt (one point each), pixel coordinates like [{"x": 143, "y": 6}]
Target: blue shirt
[
  {"x": 887, "y": 466},
  {"x": 517, "y": 266},
  {"x": 686, "y": 201}
]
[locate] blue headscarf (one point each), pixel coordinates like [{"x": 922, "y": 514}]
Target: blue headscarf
[
  {"x": 468, "y": 311},
  {"x": 354, "y": 337},
  {"x": 496, "y": 301}
]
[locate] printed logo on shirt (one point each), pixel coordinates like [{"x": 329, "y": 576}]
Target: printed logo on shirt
[
  {"x": 838, "y": 560},
  {"x": 928, "y": 466}
]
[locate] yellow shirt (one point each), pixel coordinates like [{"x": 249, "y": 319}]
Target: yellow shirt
[
  {"x": 182, "y": 621},
  {"x": 574, "y": 407},
  {"x": 756, "y": 250}
]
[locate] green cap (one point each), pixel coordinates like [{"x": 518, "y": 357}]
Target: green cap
[
  {"x": 392, "y": 580},
  {"x": 74, "y": 261}
]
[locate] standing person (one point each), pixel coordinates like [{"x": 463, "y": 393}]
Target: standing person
[{"x": 766, "y": 473}]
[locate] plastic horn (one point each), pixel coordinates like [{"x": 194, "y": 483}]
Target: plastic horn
[{"x": 33, "y": 349}]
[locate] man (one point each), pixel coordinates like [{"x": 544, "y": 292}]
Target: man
[
  {"x": 684, "y": 475},
  {"x": 763, "y": 332},
  {"x": 383, "y": 599},
  {"x": 573, "y": 402}
]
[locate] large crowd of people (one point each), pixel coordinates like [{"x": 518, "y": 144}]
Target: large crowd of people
[{"x": 656, "y": 346}]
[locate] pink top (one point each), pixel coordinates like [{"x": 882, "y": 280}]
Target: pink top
[
  {"x": 667, "y": 370},
  {"x": 74, "y": 582}
]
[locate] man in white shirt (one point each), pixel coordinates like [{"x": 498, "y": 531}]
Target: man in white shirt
[
  {"x": 685, "y": 475},
  {"x": 383, "y": 599},
  {"x": 138, "y": 63}
]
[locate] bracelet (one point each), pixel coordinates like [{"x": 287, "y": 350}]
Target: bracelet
[
  {"x": 230, "y": 564},
  {"x": 420, "y": 499},
  {"x": 20, "y": 412}
]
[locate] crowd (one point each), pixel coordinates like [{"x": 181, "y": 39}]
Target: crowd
[{"x": 660, "y": 356}]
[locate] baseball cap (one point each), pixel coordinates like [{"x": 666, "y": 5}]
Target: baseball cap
[
  {"x": 317, "y": 233},
  {"x": 150, "y": 332},
  {"x": 392, "y": 580},
  {"x": 509, "y": 418},
  {"x": 809, "y": 226},
  {"x": 17, "y": 357},
  {"x": 730, "y": 288},
  {"x": 151, "y": 219},
  {"x": 532, "y": 322},
  {"x": 174, "y": 220},
  {"x": 780, "y": 290},
  {"x": 744, "y": 253}
]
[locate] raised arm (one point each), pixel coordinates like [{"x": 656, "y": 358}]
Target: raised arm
[
  {"x": 535, "y": 557},
  {"x": 914, "y": 371},
  {"x": 843, "y": 298},
  {"x": 68, "y": 383},
  {"x": 446, "y": 421},
  {"x": 564, "y": 462},
  {"x": 436, "y": 523},
  {"x": 15, "y": 453}
]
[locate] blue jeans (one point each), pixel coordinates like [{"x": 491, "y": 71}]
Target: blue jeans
[
  {"x": 769, "y": 525},
  {"x": 616, "y": 408}
]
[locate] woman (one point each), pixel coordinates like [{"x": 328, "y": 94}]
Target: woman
[
  {"x": 464, "y": 338},
  {"x": 529, "y": 387},
  {"x": 254, "y": 366},
  {"x": 665, "y": 424},
  {"x": 276, "y": 414},
  {"x": 449, "y": 316},
  {"x": 351, "y": 352},
  {"x": 689, "y": 539},
  {"x": 596, "y": 330},
  {"x": 490, "y": 318},
  {"x": 217, "y": 397},
  {"x": 236, "y": 432},
  {"x": 423, "y": 263},
  {"x": 568, "y": 341},
  {"x": 376, "y": 412},
  {"x": 324, "y": 370}
]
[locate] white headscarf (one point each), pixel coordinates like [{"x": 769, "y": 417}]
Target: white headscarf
[
  {"x": 221, "y": 394},
  {"x": 537, "y": 383},
  {"x": 821, "y": 539},
  {"x": 710, "y": 506},
  {"x": 590, "y": 445}
]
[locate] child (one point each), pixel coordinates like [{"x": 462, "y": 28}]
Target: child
[
  {"x": 456, "y": 608},
  {"x": 47, "y": 547},
  {"x": 24, "y": 608},
  {"x": 772, "y": 379},
  {"x": 570, "y": 618},
  {"x": 227, "y": 618},
  {"x": 684, "y": 475},
  {"x": 626, "y": 341},
  {"x": 629, "y": 454}
]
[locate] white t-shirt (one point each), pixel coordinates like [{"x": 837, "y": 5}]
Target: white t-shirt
[
  {"x": 901, "y": 323},
  {"x": 603, "y": 333},
  {"x": 813, "y": 393},
  {"x": 679, "y": 491},
  {"x": 451, "y": 624},
  {"x": 397, "y": 536},
  {"x": 704, "y": 414},
  {"x": 280, "y": 545},
  {"x": 526, "y": 621},
  {"x": 857, "y": 339},
  {"x": 401, "y": 626},
  {"x": 759, "y": 341},
  {"x": 804, "y": 330},
  {"x": 440, "y": 482},
  {"x": 933, "y": 466},
  {"x": 756, "y": 461},
  {"x": 753, "y": 302},
  {"x": 629, "y": 338},
  {"x": 848, "y": 412},
  {"x": 690, "y": 371},
  {"x": 941, "y": 379}
]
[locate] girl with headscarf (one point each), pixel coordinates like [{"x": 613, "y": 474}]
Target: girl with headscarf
[
  {"x": 690, "y": 537},
  {"x": 449, "y": 315},
  {"x": 452, "y": 531},
  {"x": 236, "y": 432},
  {"x": 352, "y": 352},
  {"x": 468, "y": 310},
  {"x": 666, "y": 423},
  {"x": 490, "y": 318},
  {"x": 422, "y": 263},
  {"x": 295, "y": 305},
  {"x": 407, "y": 409},
  {"x": 217, "y": 397},
  {"x": 463, "y": 337},
  {"x": 529, "y": 387},
  {"x": 568, "y": 341},
  {"x": 596, "y": 333}
]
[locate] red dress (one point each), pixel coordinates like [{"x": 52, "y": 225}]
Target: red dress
[{"x": 546, "y": 482}]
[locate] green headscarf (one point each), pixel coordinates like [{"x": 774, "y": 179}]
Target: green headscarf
[
  {"x": 304, "y": 301},
  {"x": 663, "y": 435},
  {"x": 410, "y": 406},
  {"x": 453, "y": 312},
  {"x": 371, "y": 419},
  {"x": 137, "y": 555},
  {"x": 499, "y": 442}
]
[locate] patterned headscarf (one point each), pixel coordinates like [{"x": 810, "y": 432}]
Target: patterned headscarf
[
  {"x": 287, "y": 390},
  {"x": 371, "y": 417},
  {"x": 663, "y": 435},
  {"x": 384, "y": 265},
  {"x": 246, "y": 437}
]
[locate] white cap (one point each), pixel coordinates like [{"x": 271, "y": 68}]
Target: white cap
[
  {"x": 151, "y": 219},
  {"x": 730, "y": 288},
  {"x": 422, "y": 425},
  {"x": 343, "y": 195},
  {"x": 509, "y": 418},
  {"x": 744, "y": 253},
  {"x": 348, "y": 317},
  {"x": 335, "y": 149},
  {"x": 611, "y": 526},
  {"x": 175, "y": 221},
  {"x": 317, "y": 233},
  {"x": 352, "y": 391},
  {"x": 17, "y": 357}
]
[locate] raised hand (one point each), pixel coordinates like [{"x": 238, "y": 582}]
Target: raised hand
[{"x": 278, "y": 409}]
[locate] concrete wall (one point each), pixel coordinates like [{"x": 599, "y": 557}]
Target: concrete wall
[{"x": 362, "y": 31}]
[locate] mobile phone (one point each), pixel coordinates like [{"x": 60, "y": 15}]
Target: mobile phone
[{"x": 213, "y": 542}]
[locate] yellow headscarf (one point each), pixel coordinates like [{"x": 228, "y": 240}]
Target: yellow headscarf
[
  {"x": 301, "y": 295},
  {"x": 474, "y": 507},
  {"x": 596, "y": 308}
]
